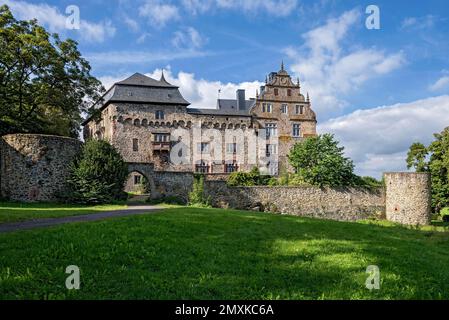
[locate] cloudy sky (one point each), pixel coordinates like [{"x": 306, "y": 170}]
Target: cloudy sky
[{"x": 376, "y": 90}]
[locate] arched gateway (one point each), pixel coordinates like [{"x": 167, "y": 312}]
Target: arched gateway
[{"x": 147, "y": 171}]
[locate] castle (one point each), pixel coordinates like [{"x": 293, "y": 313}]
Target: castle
[{"x": 149, "y": 121}]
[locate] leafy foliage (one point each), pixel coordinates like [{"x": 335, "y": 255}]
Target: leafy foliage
[
  {"x": 321, "y": 162},
  {"x": 416, "y": 157},
  {"x": 437, "y": 164},
  {"x": 97, "y": 174},
  {"x": 197, "y": 197},
  {"x": 252, "y": 178},
  {"x": 45, "y": 83}
]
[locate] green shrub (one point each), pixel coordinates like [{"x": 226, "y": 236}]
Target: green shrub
[
  {"x": 97, "y": 175},
  {"x": 197, "y": 197},
  {"x": 252, "y": 178}
]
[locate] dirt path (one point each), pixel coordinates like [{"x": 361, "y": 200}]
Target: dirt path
[{"x": 47, "y": 222}]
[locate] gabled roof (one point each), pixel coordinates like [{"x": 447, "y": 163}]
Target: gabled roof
[
  {"x": 141, "y": 89},
  {"x": 138, "y": 79}
]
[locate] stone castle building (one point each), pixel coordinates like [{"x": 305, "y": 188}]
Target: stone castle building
[{"x": 142, "y": 118}]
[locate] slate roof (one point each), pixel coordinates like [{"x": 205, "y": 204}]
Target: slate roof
[
  {"x": 139, "y": 88},
  {"x": 226, "y": 107}
]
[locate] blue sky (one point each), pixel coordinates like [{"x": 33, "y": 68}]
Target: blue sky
[{"x": 377, "y": 90}]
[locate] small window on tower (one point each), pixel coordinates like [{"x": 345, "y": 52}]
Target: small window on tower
[
  {"x": 135, "y": 144},
  {"x": 160, "y": 115}
]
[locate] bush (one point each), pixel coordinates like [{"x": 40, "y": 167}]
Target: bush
[
  {"x": 97, "y": 175},
  {"x": 444, "y": 213},
  {"x": 252, "y": 178},
  {"x": 197, "y": 197}
]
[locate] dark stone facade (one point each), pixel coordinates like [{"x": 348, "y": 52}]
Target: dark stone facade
[{"x": 35, "y": 167}]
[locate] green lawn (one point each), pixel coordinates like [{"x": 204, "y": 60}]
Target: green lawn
[
  {"x": 193, "y": 253},
  {"x": 15, "y": 212}
]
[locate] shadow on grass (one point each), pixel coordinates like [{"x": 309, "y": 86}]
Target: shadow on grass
[{"x": 193, "y": 253}]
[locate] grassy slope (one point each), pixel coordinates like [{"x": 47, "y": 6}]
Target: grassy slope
[
  {"x": 14, "y": 212},
  {"x": 191, "y": 253}
]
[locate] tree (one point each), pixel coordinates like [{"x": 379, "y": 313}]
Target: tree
[
  {"x": 416, "y": 157},
  {"x": 437, "y": 164},
  {"x": 320, "y": 161},
  {"x": 98, "y": 174},
  {"x": 45, "y": 84}
]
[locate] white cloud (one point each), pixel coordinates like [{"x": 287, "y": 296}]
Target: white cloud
[
  {"x": 159, "y": 13},
  {"x": 132, "y": 24},
  {"x": 109, "y": 58},
  {"x": 378, "y": 139},
  {"x": 56, "y": 21},
  {"x": 440, "y": 84},
  {"x": 188, "y": 38},
  {"x": 200, "y": 93},
  {"x": 419, "y": 23},
  {"x": 279, "y": 8},
  {"x": 143, "y": 37},
  {"x": 330, "y": 70}
]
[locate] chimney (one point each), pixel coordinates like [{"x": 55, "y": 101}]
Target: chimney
[{"x": 241, "y": 104}]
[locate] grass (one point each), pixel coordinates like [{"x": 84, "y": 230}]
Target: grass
[
  {"x": 16, "y": 212},
  {"x": 194, "y": 253}
]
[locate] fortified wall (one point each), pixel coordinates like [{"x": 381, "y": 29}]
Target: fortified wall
[{"x": 35, "y": 168}]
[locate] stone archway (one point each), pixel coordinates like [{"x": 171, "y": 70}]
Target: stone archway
[{"x": 146, "y": 170}]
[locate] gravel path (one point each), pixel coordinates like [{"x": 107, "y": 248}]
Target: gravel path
[{"x": 47, "y": 222}]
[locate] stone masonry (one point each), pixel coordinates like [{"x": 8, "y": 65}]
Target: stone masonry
[
  {"x": 35, "y": 167},
  {"x": 408, "y": 197}
]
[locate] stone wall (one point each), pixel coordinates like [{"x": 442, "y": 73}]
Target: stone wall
[
  {"x": 344, "y": 204},
  {"x": 172, "y": 184},
  {"x": 408, "y": 197},
  {"x": 34, "y": 167}
]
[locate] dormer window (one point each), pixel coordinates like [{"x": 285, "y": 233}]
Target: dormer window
[
  {"x": 289, "y": 92},
  {"x": 160, "y": 115}
]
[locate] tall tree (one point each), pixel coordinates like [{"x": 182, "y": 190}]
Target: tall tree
[
  {"x": 320, "y": 161},
  {"x": 437, "y": 164},
  {"x": 45, "y": 83},
  {"x": 416, "y": 157}
]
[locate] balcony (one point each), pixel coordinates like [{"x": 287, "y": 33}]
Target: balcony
[{"x": 161, "y": 146}]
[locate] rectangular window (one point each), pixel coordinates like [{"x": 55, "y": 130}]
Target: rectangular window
[
  {"x": 289, "y": 92},
  {"x": 135, "y": 145},
  {"x": 231, "y": 167},
  {"x": 276, "y": 92},
  {"x": 161, "y": 137},
  {"x": 203, "y": 147},
  {"x": 202, "y": 167},
  {"x": 271, "y": 130},
  {"x": 299, "y": 109},
  {"x": 296, "y": 130},
  {"x": 160, "y": 115},
  {"x": 284, "y": 108},
  {"x": 267, "y": 107},
  {"x": 271, "y": 149},
  {"x": 231, "y": 148},
  {"x": 137, "y": 179}
]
